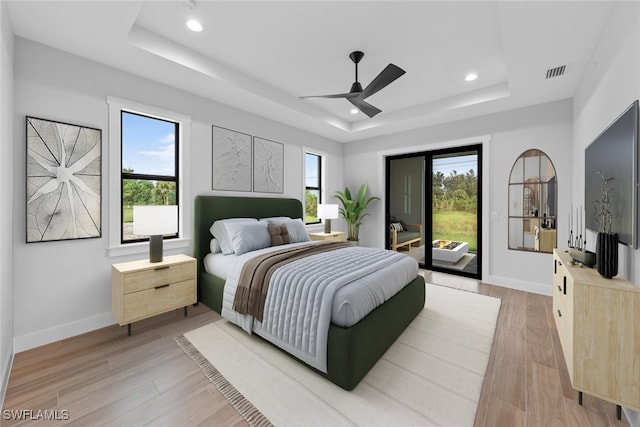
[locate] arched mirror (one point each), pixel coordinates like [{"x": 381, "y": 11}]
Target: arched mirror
[{"x": 533, "y": 201}]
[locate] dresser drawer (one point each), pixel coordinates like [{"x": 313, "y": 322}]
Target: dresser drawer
[
  {"x": 165, "y": 297},
  {"x": 150, "y": 278}
]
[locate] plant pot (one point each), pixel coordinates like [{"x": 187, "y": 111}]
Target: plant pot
[
  {"x": 354, "y": 242},
  {"x": 607, "y": 254}
]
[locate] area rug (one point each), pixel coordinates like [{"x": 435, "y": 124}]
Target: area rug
[{"x": 431, "y": 376}]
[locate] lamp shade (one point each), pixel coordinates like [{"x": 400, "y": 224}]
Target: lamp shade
[
  {"x": 327, "y": 211},
  {"x": 155, "y": 220}
]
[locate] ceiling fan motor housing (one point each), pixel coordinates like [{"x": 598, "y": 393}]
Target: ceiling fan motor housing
[{"x": 356, "y": 87}]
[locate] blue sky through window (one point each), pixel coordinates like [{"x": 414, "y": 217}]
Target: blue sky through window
[
  {"x": 148, "y": 145},
  {"x": 311, "y": 170}
]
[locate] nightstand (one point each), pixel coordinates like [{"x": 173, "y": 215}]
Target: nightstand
[
  {"x": 141, "y": 289},
  {"x": 334, "y": 236}
]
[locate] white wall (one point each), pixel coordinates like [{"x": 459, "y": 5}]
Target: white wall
[
  {"x": 547, "y": 127},
  {"x": 6, "y": 193},
  {"x": 610, "y": 84},
  {"x": 64, "y": 288}
]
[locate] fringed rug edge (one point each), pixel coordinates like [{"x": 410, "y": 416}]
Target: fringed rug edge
[{"x": 247, "y": 411}]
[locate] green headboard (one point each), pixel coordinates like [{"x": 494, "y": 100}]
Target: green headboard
[{"x": 207, "y": 209}]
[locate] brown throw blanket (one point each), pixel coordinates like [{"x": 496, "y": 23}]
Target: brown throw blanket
[{"x": 255, "y": 275}]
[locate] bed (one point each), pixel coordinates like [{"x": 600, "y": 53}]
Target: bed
[{"x": 351, "y": 351}]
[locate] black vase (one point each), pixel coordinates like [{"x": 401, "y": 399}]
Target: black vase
[{"x": 607, "y": 254}]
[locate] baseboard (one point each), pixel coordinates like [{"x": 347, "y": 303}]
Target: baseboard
[
  {"x": 60, "y": 332},
  {"x": 521, "y": 285},
  {"x": 6, "y": 373}
]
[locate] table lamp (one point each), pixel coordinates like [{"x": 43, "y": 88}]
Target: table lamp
[
  {"x": 155, "y": 221},
  {"x": 327, "y": 212}
]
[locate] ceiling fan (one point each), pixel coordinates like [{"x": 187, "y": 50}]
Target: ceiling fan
[{"x": 357, "y": 95}]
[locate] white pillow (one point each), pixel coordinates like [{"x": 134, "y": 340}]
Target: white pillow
[
  {"x": 214, "y": 246},
  {"x": 219, "y": 231},
  {"x": 248, "y": 236},
  {"x": 296, "y": 228}
]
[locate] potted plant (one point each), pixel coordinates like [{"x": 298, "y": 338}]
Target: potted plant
[
  {"x": 607, "y": 241},
  {"x": 352, "y": 210}
]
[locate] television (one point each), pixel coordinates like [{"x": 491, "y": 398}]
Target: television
[{"x": 615, "y": 153}]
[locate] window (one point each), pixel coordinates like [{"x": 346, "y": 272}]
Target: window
[
  {"x": 165, "y": 137},
  {"x": 313, "y": 187},
  {"x": 149, "y": 174}
]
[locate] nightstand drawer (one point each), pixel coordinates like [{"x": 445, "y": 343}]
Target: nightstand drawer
[
  {"x": 334, "y": 236},
  {"x": 161, "y": 275},
  {"x": 164, "y": 297}
]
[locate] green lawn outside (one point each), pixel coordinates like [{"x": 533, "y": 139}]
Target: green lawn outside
[
  {"x": 127, "y": 214},
  {"x": 458, "y": 226}
]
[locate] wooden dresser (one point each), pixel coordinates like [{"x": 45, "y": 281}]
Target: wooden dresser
[
  {"x": 598, "y": 322},
  {"x": 141, "y": 289}
]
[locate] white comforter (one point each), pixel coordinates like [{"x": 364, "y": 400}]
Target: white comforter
[{"x": 300, "y": 300}]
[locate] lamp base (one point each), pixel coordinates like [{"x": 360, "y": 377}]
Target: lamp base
[
  {"x": 155, "y": 248},
  {"x": 327, "y": 226}
]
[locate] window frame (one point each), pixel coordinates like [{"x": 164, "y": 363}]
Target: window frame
[
  {"x": 148, "y": 177},
  {"x": 320, "y": 188},
  {"x": 183, "y": 240}
]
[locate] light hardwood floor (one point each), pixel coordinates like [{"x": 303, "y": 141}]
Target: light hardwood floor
[{"x": 107, "y": 378}]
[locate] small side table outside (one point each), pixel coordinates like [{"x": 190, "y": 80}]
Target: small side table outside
[
  {"x": 141, "y": 289},
  {"x": 334, "y": 236}
]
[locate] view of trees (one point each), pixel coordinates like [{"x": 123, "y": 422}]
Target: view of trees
[
  {"x": 455, "y": 206},
  {"x": 456, "y": 192},
  {"x": 145, "y": 192},
  {"x": 311, "y": 206}
]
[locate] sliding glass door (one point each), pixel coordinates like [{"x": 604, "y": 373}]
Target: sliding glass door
[
  {"x": 433, "y": 208},
  {"x": 455, "y": 211}
]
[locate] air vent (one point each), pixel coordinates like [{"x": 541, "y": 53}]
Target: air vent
[{"x": 556, "y": 72}]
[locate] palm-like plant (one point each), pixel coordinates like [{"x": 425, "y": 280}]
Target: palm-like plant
[{"x": 352, "y": 210}]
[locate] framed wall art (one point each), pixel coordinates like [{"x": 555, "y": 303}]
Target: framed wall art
[
  {"x": 231, "y": 154},
  {"x": 268, "y": 166},
  {"x": 64, "y": 178}
]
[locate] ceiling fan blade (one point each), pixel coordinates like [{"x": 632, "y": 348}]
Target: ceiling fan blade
[
  {"x": 364, "y": 106},
  {"x": 337, "y": 95},
  {"x": 386, "y": 77}
]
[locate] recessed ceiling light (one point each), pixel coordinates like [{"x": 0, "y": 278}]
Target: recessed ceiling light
[
  {"x": 354, "y": 111},
  {"x": 471, "y": 77},
  {"x": 194, "y": 25}
]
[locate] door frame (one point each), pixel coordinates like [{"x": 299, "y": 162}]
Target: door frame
[{"x": 428, "y": 206}]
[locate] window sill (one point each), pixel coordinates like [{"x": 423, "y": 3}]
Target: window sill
[{"x": 142, "y": 248}]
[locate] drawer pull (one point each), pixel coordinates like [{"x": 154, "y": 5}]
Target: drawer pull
[
  {"x": 555, "y": 266},
  {"x": 564, "y": 280},
  {"x": 162, "y": 286},
  {"x": 559, "y": 288},
  {"x": 162, "y": 268},
  {"x": 559, "y": 313}
]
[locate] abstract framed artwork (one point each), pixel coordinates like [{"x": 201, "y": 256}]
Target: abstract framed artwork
[
  {"x": 268, "y": 166},
  {"x": 64, "y": 181},
  {"x": 231, "y": 155}
]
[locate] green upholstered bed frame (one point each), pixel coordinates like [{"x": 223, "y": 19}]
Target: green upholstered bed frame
[{"x": 352, "y": 351}]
